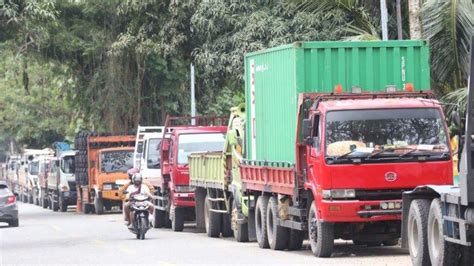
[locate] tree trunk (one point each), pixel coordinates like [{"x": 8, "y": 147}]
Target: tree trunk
[{"x": 414, "y": 7}]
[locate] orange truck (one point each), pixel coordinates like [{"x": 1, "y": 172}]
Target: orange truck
[{"x": 101, "y": 170}]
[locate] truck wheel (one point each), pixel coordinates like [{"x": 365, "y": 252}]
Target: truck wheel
[
  {"x": 177, "y": 221},
  {"x": 98, "y": 204},
  {"x": 14, "y": 223},
  {"x": 226, "y": 226},
  {"x": 278, "y": 236},
  {"x": 441, "y": 252},
  {"x": 261, "y": 221},
  {"x": 50, "y": 203},
  {"x": 296, "y": 239},
  {"x": 55, "y": 206},
  {"x": 87, "y": 208},
  {"x": 30, "y": 199},
  {"x": 241, "y": 231},
  {"x": 212, "y": 220},
  {"x": 44, "y": 203},
  {"x": 62, "y": 204},
  {"x": 159, "y": 221},
  {"x": 200, "y": 197},
  {"x": 417, "y": 232},
  {"x": 321, "y": 235}
]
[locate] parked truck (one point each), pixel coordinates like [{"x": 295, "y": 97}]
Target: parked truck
[
  {"x": 216, "y": 177},
  {"x": 334, "y": 133},
  {"x": 438, "y": 221},
  {"x": 43, "y": 183},
  {"x": 183, "y": 135},
  {"x": 30, "y": 186},
  {"x": 12, "y": 170},
  {"x": 62, "y": 189},
  {"x": 142, "y": 132},
  {"x": 101, "y": 165}
]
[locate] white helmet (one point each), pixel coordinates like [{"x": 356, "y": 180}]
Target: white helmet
[{"x": 137, "y": 178}]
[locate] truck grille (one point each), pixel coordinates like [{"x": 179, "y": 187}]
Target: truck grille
[{"x": 379, "y": 194}]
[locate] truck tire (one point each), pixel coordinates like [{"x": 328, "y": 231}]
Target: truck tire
[
  {"x": 241, "y": 231},
  {"x": 159, "y": 221},
  {"x": 98, "y": 204},
  {"x": 55, "y": 206},
  {"x": 278, "y": 236},
  {"x": 441, "y": 252},
  {"x": 14, "y": 223},
  {"x": 87, "y": 208},
  {"x": 45, "y": 203},
  {"x": 226, "y": 227},
  {"x": 62, "y": 203},
  {"x": 200, "y": 196},
  {"x": 417, "y": 232},
  {"x": 177, "y": 221},
  {"x": 296, "y": 239},
  {"x": 261, "y": 221},
  {"x": 321, "y": 235},
  {"x": 212, "y": 220}
]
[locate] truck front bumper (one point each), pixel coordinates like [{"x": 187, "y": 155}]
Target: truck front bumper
[
  {"x": 111, "y": 194},
  {"x": 70, "y": 197},
  {"x": 360, "y": 211}
]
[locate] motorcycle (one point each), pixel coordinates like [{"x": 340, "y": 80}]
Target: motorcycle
[{"x": 140, "y": 213}]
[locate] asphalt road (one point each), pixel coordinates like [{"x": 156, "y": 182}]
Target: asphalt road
[{"x": 45, "y": 237}]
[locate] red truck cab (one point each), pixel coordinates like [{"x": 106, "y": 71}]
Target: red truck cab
[
  {"x": 175, "y": 196},
  {"x": 396, "y": 145},
  {"x": 355, "y": 156}
]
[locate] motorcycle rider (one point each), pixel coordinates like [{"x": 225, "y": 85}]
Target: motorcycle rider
[{"x": 137, "y": 187}]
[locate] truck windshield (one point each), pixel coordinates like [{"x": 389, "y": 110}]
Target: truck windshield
[
  {"x": 116, "y": 161},
  {"x": 153, "y": 160},
  {"x": 378, "y": 132},
  {"x": 33, "y": 168},
  {"x": 192, "y": 143},
  {"x": 68, "y": 166}
]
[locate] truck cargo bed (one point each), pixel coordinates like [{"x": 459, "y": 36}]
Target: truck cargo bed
[
  {"x": 275, "y": 177},
  {"x": 208, "y": 169}
]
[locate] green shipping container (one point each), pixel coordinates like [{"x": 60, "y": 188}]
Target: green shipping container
[{"x": 274, "y": 78}]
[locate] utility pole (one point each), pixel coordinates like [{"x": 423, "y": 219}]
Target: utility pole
[
  {"x": 399, "y": 21},
  {"x": 384, "y": 18},
  {"x": 193, "y": 99}
]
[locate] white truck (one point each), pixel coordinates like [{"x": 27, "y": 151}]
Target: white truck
[
  {"x": 62, "y": 190},
  {"x": 32, "y": 188},
  {"x": 142, "y": 131},
  {"x": 147, "y": 155}
]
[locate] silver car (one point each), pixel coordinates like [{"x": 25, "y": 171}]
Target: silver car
[{"x": 8, "y": 206}]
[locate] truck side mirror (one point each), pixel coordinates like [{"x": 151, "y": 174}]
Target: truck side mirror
[
  {"x": 307, "y": 128},
  {"x": 456, "y": 118}
]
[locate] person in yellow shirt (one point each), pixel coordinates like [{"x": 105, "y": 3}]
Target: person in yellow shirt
[{"x": 454, "y": 142}]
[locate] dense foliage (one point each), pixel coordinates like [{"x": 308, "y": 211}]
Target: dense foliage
[{"x": 110, "y": 65}]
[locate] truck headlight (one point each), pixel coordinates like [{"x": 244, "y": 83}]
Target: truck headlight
[{"x": 339, "y": 193}]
